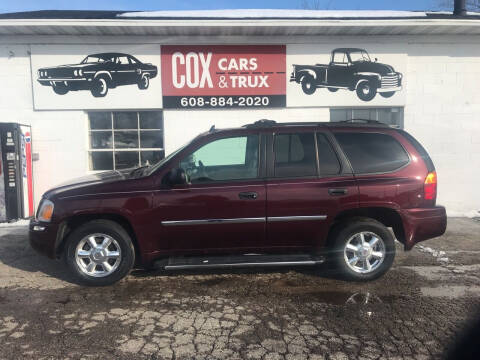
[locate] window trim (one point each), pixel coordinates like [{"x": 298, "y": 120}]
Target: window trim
[
  {"x": 378, "y": 133},
  {"x": 260, "y": 172},
  {"x": 112, "y": 130}
]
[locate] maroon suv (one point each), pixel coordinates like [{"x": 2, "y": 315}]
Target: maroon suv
[{"x": 264, "y": 194}]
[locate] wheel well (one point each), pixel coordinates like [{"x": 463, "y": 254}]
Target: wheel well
[
  {"x": 106, "y": 76},
  {"x": 373, "y": 79},
  {"x": 70, "y": 224},
  {"x": 386, "y": 216},
  {"x": 306, "y": 72}
]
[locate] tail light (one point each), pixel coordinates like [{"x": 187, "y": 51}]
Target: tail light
[{"x": 430, "y": 186}]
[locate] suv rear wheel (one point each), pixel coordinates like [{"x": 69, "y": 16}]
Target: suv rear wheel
[
  {"x": 99, "y": 252},
  {"x": 364, "y": 249}
]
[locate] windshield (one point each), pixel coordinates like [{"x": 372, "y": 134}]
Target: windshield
[
  {"x": 95, "y": 59},
  {"x": 356, "y": 56}
]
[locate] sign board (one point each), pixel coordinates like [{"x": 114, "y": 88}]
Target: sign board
[
  {"x": 217, "y": 76},
  {"x": 223, "y": 76},
  {"x": 330, "y": 75},
  {"x": 96, "y": 76}
]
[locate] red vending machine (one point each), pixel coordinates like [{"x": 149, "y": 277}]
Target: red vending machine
[{"x": 16, "y": 178}]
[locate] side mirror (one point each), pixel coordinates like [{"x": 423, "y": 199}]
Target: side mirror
[
  {"x": 177, "y": 177},
  {"x": 376, "y": 59}
]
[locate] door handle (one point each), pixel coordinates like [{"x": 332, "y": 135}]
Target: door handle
[
  {"x": 249, "y": 195},
  {"x": 337, "y": 192}
]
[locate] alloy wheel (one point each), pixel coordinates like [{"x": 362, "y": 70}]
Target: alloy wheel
[
  {"x": 364, "y": 252},
  {"x": 98, "y": 255}
]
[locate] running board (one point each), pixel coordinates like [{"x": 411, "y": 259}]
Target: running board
[{"x": 238, "y": 261}]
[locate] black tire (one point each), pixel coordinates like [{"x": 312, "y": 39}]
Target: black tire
[
  {"x": 346, "y": 231},
  {"x": 60, "y": 88},
  {"x": 99, "y": 86},
  {"x": 113, "y": 230},
  {"x": 387, "y": 94},
  {"x": 144, "y": 82},
  {"x": 333, "y": 89},
  {"x": 366, "y": 90},
  {"x": 308, "y": 84}
]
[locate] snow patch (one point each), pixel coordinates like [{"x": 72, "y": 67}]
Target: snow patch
[
  {"x": 274, "y": 13},
  {"x": 439, "y": 255},
  {"x": 469, "y": 214},
  {"x": 22, "y": 222}
]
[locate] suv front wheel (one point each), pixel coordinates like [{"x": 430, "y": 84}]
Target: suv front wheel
[
  {"x": 99, "y": 253},
  {"x": 364, "y": 249}
]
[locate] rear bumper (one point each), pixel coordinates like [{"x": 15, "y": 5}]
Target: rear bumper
[
  {"x": 423, "y": 224},
  {"x": 42, "y": 237}
]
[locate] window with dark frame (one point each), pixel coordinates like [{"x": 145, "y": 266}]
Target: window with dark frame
[
  {"x": 295, "y": 155},
  {"x": 372, "y": 152},
  {"x": 120, "y": 140}
]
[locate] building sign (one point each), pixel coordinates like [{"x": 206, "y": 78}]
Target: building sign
[
  {"x": 330, "y": 75},
  {"x": 223, "y": 76},
  {"x": 96, "y": 76}
]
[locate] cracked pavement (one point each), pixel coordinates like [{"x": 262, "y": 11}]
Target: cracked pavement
[{"x": 416, "y": 311}]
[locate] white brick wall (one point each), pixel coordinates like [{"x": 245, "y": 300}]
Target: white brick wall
[{"x": 442, "y": 111}]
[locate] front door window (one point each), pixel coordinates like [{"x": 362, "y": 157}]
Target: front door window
[{"x": 232, "y": 158}]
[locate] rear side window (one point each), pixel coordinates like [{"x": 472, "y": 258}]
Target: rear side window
[
  {"x": 372, "y": 152},
  {"x": 420, "y": 149},
  {"x": 295, "y": 155},
  {"x": 327, "y": 159}
]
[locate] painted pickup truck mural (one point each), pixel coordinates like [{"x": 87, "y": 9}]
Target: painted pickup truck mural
[
  {"x": 98, "y": 73},
  {"x": 350, "y": 69}
]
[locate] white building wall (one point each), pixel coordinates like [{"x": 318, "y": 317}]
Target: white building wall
[
  {"x": 59, "y": 137},
  {"x": 442, "y": 112}
]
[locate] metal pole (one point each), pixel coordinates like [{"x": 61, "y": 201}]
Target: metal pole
[{"x": 459, "y": 8}]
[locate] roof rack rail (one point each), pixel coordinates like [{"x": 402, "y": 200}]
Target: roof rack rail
[
  {"x": 261, "y": 123},
  {"x": 364, "y": 121}
]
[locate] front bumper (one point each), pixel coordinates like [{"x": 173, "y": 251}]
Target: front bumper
[
  {"x": 66, "y": 81},
  {"x": 43, "y": 237},
  {"x": 423, "y": 224},
  {"x": 389, "y": 89}
]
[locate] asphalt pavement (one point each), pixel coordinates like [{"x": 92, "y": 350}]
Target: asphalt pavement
[{"x": 418, "y": 310}]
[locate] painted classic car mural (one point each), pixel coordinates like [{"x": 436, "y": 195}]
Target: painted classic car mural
[
  {"x": 98, "y": 73},
  {"x": 350, "y": 69}
]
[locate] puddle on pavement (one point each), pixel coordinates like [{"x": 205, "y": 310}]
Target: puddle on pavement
[
  {"x": 452, "y": 292},
  {"x": 212, "y": 282},
  {"x": 334, "y": 297}
]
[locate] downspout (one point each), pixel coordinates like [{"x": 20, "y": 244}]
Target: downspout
[{"x": 459, "y": 8}]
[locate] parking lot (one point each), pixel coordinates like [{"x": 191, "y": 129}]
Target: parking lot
[{"x": 415, "y": 311}]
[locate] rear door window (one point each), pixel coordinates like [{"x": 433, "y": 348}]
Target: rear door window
[
  {"x": 327, "y": 159},
  {"x": 372, "y": 152},
  {"x": 295, "y": 155}
]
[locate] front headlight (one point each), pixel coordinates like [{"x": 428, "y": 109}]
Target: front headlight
[
  {"x": 45, "y": 212},
  {"x": 80, "y": 72},
  {"x": 75, "y": 72}
]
